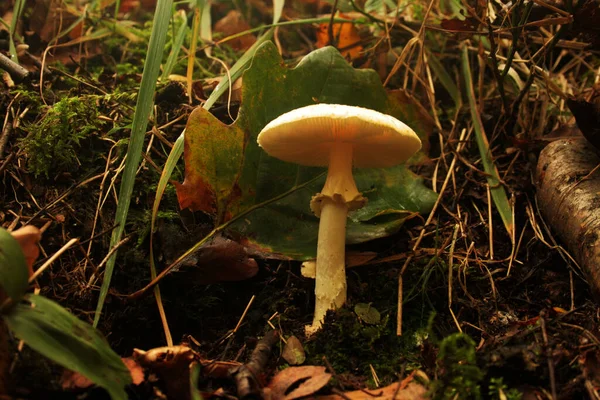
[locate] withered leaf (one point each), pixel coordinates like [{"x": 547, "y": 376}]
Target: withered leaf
[
  {"x": 304, "y": 381},
  {"x": 293, "y": 352}
]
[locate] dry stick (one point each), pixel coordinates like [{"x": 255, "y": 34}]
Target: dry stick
[
  {"x": 246, "y": 376},
  {"x": 422, "y": 234},
  {"x": 41, "y": 269},
  {"x": 105, "y": 260},
  {"x": 450, "y": 267},
  {"x": 16, "y": 72},
  {"x": 491, "y": 222},
  {"x": 99, "y": 204},
  {"x": 548, "y": 357}
]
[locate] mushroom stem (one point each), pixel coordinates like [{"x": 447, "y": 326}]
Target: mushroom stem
[
  {"x": 330, "y": 279},
  {"x": 340, "y": 180}
]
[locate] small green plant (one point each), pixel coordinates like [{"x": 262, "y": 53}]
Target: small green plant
[
  {"x": 53, "y": 143},
  {"x": 51, "y": 330},
  {"x": 498, "y": 390},
  {"x": 459, "y": 375}
]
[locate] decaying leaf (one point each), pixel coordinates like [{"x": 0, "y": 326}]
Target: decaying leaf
[
  {"x": 296, "y": 382},
  {"x": 405, "y": 390},
  {"x": 367, "y": 313},
  {"x": 346, "y": 35},
  {"x": 293, "y": 352},
  {"x": 28, "y": 238},
  {"x": 234, "y": 23},
  {"x": 467, "y": 25},
  {"x": 587, "y": 116},
  {"x": 221, "y": 260},
  {"x": 71, "y": 380}
]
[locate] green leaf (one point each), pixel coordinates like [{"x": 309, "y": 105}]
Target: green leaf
[
  {"x": 227, "y": 172},
  {"x": 13, "y": 268},
  {"x": 367, "y": 313},
  {"x": 55, "y": 333}
]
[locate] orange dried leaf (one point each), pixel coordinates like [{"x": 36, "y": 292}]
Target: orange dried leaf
[
  {"x": 234, "y": 23},
  {"x": 407, "y": 389},
  {"x": 74, "y": 380},
  {"x": 347, "y": 37},
  {"x": 293, "y": 352},
  {"x": 28, "y": 238},
  {"x": 306, "y": 380}
]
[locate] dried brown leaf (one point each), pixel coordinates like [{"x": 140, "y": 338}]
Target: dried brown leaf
[
  {"x": 407, "y": 389},
  {"x": 232, "y": 24},
  {"x": 304, "y": 381},
  {"x": 293, "y": 352},
  {"x": 71, "y": 380},
  {"x": 28, "y": 238}
]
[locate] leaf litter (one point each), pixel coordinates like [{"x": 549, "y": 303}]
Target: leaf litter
[{"x": 522, "y": 299}]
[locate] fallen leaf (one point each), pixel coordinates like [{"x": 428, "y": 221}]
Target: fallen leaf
[
  {"x": 367, "y": 313},
  {"x": 220, "y": 260},
  {"x": 234, "y": 23},
  {"x": 293, "y": 352},
  {"x": 172, "y": 365},
  {"x": 296, "y": 382},
  {"x": 28, "y": 238},
  {"x": 71, "y": 380},
  {"x": 457, "y": 25},
  {"x": 586, "y": 22},
  {"x": 407, "y": 389},
  {"x": 587, "y": 117},
  {"x": 346, "y": 35}
]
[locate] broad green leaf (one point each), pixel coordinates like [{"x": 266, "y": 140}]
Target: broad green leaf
[
  {"x": 287, "y": 226},
  {"x": 52, "y": 331},
  {"x": 13, "y": 268}
]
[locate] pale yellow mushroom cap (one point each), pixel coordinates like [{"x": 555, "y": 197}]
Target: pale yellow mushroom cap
[{"x": 305, "y": 136}]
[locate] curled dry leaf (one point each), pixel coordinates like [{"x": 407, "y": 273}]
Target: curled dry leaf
[
  {"x": 304, "y": 381},
  {"x": 407, "y": 389},
  {"x": 232, "y": 24},
  {"x": 71, "y": 380},
  {"x": 346, "y": 35},
  {"x": 28, "y": 238},
  {"x": 221, "y": 260},
  {"x": 293, "y": 352},
  {"x": 367, "y": 313}
]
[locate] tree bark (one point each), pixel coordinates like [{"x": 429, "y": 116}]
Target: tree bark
[{"x": 569, "y": 199}]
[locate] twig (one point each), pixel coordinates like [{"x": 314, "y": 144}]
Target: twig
[
  {"x": 246, "y": 376},
  {"x": 17, "y": 73}
]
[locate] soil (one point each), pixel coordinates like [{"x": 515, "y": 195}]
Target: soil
[{"x": 529, "y": 319}]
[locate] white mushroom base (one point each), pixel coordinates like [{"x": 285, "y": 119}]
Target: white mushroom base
[{"x": 330, "y": 282}]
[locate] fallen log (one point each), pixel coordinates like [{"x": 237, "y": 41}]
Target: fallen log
[{"x": 568, "y": 194}]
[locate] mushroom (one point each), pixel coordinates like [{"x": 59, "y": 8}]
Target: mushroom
[{"x": 339, "y": 137}]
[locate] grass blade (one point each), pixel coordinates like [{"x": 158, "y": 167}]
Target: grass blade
[
  {"x": 138, "y": 129},
  {"x": 177, "y": 45},
  {"x": 17, "y": 10},
  {"x": 445, "y": 79},
  {"x": 497, "y": 190},
  {"x": 277, "y": 10}
]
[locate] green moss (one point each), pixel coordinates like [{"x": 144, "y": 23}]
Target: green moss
[
  {"x": 498, "y": 390},
  {"x": 459, "y": 377},
  {"x": 351, "y": 346},
  {"x": 53, "y": 142}
]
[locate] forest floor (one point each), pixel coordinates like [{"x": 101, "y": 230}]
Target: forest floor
[{"x": 491, "y": 308}]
